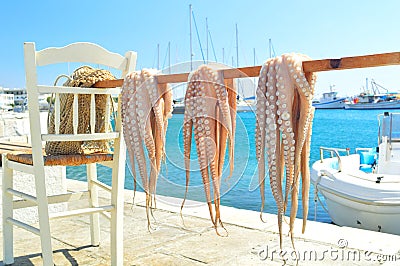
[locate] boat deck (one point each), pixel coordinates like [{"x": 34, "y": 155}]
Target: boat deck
[{"x": 250, "y": 242}]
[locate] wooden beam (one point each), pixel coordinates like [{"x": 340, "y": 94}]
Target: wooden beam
[
  {"x": 363, "y": 61},
  {"x": 109, "y": 83},
  {"x": 374, "y": 60}
]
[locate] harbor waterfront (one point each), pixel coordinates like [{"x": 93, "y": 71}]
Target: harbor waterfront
[
  {"x": 250, "y": 241},
  {"x": 333, "y": 128}
]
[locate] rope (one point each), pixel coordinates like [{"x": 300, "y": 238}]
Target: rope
[
  {"x": 212, "y": 45},
  {"x": 317, "y": 198},
  {"x": 84, "y": 76}
]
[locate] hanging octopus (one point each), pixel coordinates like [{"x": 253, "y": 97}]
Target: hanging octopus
[
  {"x": 210, "y": 109},
  {"x": 283, "y": 128},
  {"x": 146, "y": 107}
]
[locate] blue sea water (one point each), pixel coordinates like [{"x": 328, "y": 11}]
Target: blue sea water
[{"x": 331, "y": 128}]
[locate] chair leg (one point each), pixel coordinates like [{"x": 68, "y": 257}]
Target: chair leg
[
  {"x": 44, "y": 221},
  {"x": 117, "y": 200},
  {"x": 93, "y": 202},
  {"x": 8, "y": 241}
]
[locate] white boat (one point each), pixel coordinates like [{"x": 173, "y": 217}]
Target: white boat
[
  {"x": 245, "y": 105},
  {"x": 362, "y": 190},
  {"x": 329, "y": 100}
]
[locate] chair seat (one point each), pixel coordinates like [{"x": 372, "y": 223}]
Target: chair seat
[{"x": 62, "y": 159}]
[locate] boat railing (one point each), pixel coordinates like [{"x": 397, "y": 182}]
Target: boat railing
[
  {"x": 333, "y": 152},
  {"x": 389, "y": 127}
]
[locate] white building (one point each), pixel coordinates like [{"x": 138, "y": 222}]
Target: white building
[
  {"x": 6, "y": 102},
  {"x": 19, "y": 94}
]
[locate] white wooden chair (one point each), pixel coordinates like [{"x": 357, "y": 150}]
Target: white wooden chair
[{"x": 83, "y": 53}]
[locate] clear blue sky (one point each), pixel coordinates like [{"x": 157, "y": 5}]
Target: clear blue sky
[{"x": 318, "y": 28}]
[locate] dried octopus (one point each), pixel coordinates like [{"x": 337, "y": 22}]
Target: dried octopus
[
  {"x": 283, "y": 129},
  {"x": 146, "y": 107},
  {"x": 210, "y": 109}
]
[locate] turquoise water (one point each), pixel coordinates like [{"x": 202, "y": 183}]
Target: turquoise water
[{"x": 331, "y": 128}]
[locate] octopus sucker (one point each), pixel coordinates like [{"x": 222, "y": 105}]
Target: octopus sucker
[
  {"x": 283, "y": 128},
  {"x": 208, "y": 114},
  {"x": 146, "y": 106}
]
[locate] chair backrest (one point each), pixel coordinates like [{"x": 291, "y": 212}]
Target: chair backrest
[{"x": 84, "y": 53}]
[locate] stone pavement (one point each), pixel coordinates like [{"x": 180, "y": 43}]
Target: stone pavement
[{"x": 250, "y": 241}]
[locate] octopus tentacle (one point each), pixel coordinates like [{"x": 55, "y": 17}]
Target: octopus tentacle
[
  {"x": 166, "y": 94},
  {"x": 127, "y": 90},
  {"x": 203, "y": 162},
  {"x": 187, "y": 145},
  {"x": 224, "y": 121},
  {"x": 158, "y": 133},
  {"x": 285, "y": 96},
  {"x": 189, "y": 120},
  {"x": 274, "y": 147},
  {"x": 305, "y": 92},
  {"x": 207, "y": 131},
  {"x": 260, "y": 133},
  {"x": 232, "y": 95},
  {"x": 305, "y": 173}
]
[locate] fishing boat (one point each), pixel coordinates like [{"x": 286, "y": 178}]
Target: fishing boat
[
  {"x": 362, "y": 189},
  {"x": 329, "y": 100},
  {"x": 373, "y": 101},
  {"x": 377, "y": 97}
]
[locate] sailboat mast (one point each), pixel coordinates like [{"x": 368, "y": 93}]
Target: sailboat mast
[
  {"x": 207, "y": 38},
  {"x": 237, "y": 47},
  {"x": 190, "y": 27},
  {"x": 254, "y": 56},
  {"x": 169, "y": 57},
  {"x": 158, "y": 56},
  {"x": 270, "y": 48}
]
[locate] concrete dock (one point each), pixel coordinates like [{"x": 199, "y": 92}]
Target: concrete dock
[{"x": 249, "y": 242}]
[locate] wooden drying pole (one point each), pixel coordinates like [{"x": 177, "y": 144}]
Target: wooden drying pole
[{"x": 363, "y": 61}]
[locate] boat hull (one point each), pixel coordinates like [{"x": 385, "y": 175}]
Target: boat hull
[
  {"x": 371, "y": 106},
  {"x": 180, "y": 109},
  {"x": 347, "y": 212},
  {"x": 336, "y": 104},
  {"x": 245, "y": 108}
]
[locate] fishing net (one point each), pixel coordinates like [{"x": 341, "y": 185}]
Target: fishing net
[{"x": 85, "y": 76}]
